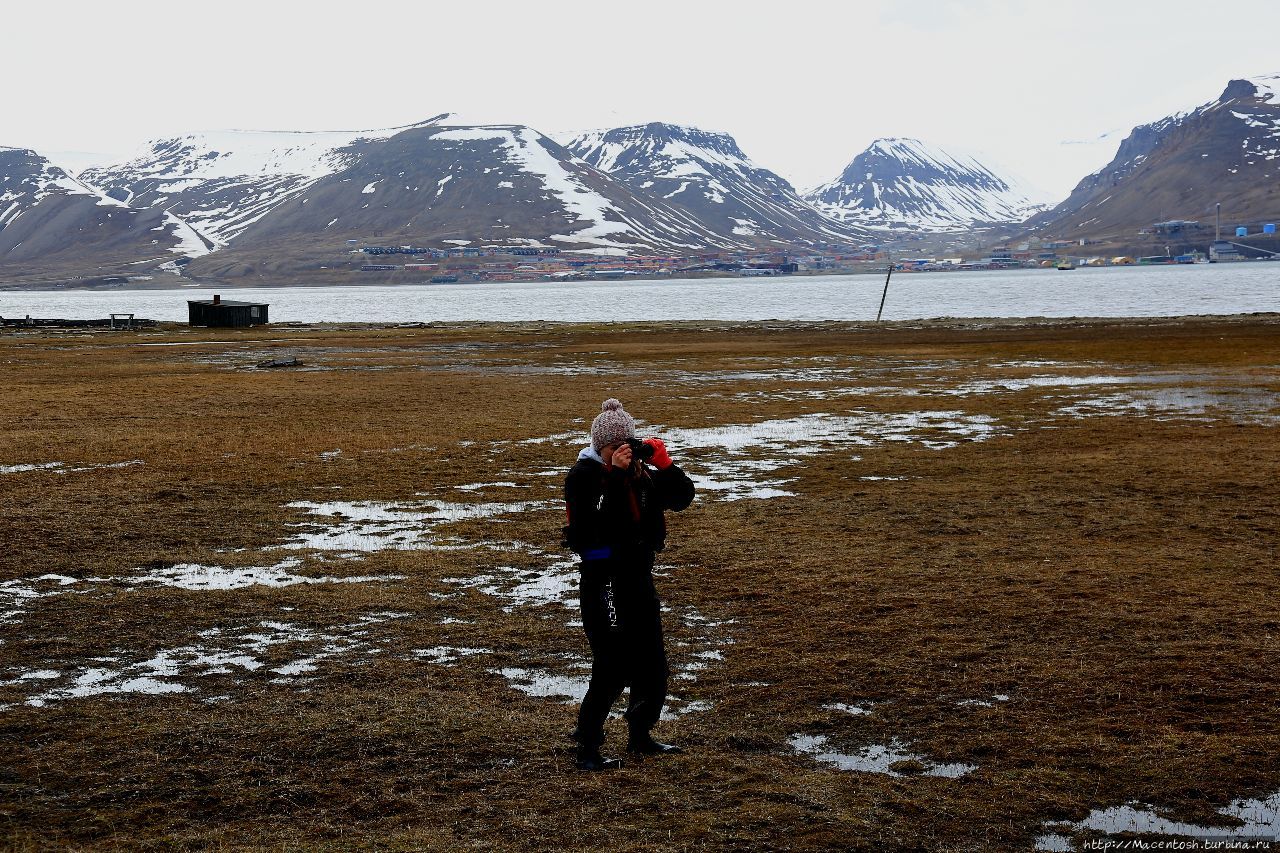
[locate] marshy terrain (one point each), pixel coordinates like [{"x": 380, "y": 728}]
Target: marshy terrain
[{"x": 947, "y": 586}]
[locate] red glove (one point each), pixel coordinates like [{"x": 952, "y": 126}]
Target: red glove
[{"x": 661, "y": 459}]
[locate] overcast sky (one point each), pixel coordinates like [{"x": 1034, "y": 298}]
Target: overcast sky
[{"x": 803, "y": 86}]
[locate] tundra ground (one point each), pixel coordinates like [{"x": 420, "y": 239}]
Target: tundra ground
[{"x": 947, "y": 586}]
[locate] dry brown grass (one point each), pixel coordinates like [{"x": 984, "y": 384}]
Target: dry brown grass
[{"x": 1116, "y": 577}]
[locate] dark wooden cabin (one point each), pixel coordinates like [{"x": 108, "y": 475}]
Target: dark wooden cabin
[{"x": 226, "y": 313}]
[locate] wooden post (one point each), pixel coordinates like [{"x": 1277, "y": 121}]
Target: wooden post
[{"x": 884, "y": 295}]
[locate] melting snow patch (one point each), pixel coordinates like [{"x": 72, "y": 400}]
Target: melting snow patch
[
  {"x": 198, "y": 577},
  {"x": 891, "y": 759},
  {"x": 449, "y": 654},
  {"x": 15, "y": 595},
  {"x": 544, "y": 684},
  {"x": 218, "y": 652},
  {"x": 378, "y": 526},
  {"x": 65, "y": 467},
  {"x": 676, "y": 708},
  {"x": 555, "y": 583},
  {"x": 1254, "y": 820},
  {"x": 733, "y": 475}
]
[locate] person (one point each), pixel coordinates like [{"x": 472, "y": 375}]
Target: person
[{"x": 615, "y": 503}]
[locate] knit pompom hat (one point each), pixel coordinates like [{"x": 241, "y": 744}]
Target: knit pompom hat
[{"x": 612, "y": 424}]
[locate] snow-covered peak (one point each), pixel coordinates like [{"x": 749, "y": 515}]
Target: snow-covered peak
[
  {"x": 221, "y": 182},
  {"x": 915, "y": 152},
  {"x": 665, "y": 150},
  {"x": 213, "y": 155},
  {"x": 706, "y": 173},
  {"x": 26, "y": 178},
  {"x": 900, "y": 182},
  {"x": 1267, "y": 87}
]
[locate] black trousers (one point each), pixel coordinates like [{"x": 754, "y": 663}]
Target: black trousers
[{"x": 623, "y": 621}]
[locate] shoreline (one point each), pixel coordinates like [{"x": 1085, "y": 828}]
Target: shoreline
[
  {"x": 182, "y": 283},
  {"x": 956, "y": 324}
]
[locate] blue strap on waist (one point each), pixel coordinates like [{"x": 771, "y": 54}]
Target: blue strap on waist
[{"x": 602, "y": 553}]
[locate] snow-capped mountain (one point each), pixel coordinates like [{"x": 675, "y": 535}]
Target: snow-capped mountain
[
  {"x": 222, "y": 182},
  {"x": 448, "y": 186},
  {"x": 48, "y": 218},
  {"x": 1225, "y": 151},
  {"x": 905, "y": 184},
  {"x": 708, "y": 175}
]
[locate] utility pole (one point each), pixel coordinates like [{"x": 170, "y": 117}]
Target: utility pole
[
  {"x": 884, "y": 295},
  {"x": 1217, "y": 222}
]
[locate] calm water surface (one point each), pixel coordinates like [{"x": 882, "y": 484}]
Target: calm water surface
[{"x": 1104, "y": 292}]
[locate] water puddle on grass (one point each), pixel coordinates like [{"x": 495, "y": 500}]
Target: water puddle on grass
[
  {"x": 239, "y": 653},
  {"x": 1244, "y": 820},
  {"x": 1240, "y": 405},
  {"x": 891, "y": 759},
  {"x": 997, "y": 386}
]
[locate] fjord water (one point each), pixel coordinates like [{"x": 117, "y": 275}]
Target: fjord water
[{"x": 1240, "y": 288}]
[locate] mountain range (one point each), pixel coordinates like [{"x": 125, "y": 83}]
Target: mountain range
[
  {"x": 707, "y": 175},
  {"x": 237, "y": 204}
]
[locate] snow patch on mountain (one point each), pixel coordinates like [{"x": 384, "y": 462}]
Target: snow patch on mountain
[
  {"x": 526, "y": 149},
  {"x": 1263, "y": 141}
]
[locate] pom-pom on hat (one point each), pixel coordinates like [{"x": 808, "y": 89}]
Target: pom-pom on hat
[{"x": 612, "y": 424}]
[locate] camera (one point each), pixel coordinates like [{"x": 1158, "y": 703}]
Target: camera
[{"x": 640, "y": 450}]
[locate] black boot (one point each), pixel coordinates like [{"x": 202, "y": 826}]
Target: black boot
[
  {"x": 589, "y": 758},
  {"x": 644, "y": 744}
]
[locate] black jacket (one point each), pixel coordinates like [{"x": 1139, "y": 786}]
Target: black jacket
[{"x": 613, "y": 513}]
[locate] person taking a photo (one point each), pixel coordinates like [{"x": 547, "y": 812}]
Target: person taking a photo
[{"x": 616, "y": 496}]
